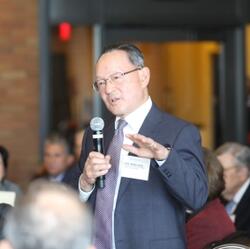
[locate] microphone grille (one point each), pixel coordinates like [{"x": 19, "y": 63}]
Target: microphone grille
[{"x": 96, "y": 124}]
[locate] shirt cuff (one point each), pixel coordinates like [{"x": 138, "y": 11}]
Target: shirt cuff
[
  {"x": 84, "y": 196},
  {"x": 160, "y": 162}
]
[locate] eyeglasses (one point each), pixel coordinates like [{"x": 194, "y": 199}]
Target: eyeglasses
[{"x": 114, "y": 78}]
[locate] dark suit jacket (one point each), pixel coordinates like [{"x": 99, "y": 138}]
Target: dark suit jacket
[
  {"x": 151, "y": 214},
  {"x": 64, "y": 179},
  {"x": 242, "y": 212}
]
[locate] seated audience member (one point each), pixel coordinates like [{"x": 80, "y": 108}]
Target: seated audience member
[
  {"x": 4, "y": 209},
  {"x": 235, "y": 159},
  {"x": 6, "y": 185},
  {"x": 49, "y": 216},
  {"x": 57, "y": 159},
  {"x": 212, "y": 222},
  {"x": 238, "y": 237}
]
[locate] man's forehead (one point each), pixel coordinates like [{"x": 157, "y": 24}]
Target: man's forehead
[
  {"x": 113, "y": 58},
  {"x": 54, "y": 201},
  {"x": 226, "y": 159},
  {"x": 55, "y": 147}
]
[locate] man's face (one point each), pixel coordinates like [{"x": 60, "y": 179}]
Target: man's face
[
  {"x": 123, "y": 98},
  {"x": 233, "y": 175},
  {"x": 56, "y": 159}
]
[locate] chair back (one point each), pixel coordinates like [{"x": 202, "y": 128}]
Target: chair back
[{"x": 231, "y": 246}]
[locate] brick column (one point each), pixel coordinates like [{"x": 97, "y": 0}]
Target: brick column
[{"x": 19, "y": 86}]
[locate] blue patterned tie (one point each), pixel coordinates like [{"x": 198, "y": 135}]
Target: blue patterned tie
[
  {"x": 105, "y": 196},
  {"x": 230, "y": 207}
]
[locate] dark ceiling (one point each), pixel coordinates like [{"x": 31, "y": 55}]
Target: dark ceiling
[{"x": 193, "y": 13}]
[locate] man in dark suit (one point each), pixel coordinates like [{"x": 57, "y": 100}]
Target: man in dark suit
[
  {"x": 57, "y": 159},
  {"x": 235, "y": 159},
  {"x": 147, "y": 212}
]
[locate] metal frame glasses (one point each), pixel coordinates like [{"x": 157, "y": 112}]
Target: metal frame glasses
[{"x": 114, "y": 78}]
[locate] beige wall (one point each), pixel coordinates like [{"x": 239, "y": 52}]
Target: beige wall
[
  {"x": 182, "y": 81},
  {"x": 80, "y": 73},
  {"x": 78, "y": 53}
]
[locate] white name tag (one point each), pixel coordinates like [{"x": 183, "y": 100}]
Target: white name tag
[
  {"x": 7, "y": 197},
  {"x": 135, "y": 167}
]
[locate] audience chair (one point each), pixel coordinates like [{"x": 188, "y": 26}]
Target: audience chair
[{"x": 231, "y": 246}]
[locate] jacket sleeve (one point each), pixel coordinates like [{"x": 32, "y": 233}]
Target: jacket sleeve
[{"x": 184, "y": 171}]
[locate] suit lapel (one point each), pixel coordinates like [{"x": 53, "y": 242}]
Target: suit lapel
[
  {"x": 148, "y": 128},
  {"x": 108, "y": 134},
  {"x": 243, "y": 205}
]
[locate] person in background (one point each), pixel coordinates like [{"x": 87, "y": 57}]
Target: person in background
[
  {"x": 57, "y": 159},
  {"x": 235, "y": 159},
  {"x": 49, "y": 216},
  {"x": 212, "y": 222},
  {"x": 145, "y": 209},
  {"x": 4, "y": 209},
  {"x": 5, "y": 184},
  {"x": 77, "y": 147}
]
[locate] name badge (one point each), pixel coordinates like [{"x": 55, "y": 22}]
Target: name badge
[{"x": 135, "y": 167}]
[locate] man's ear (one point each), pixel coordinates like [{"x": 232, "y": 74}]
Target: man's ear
[
  {"x": 243, "y": 173},
  {"x": 144, "y": 76}
]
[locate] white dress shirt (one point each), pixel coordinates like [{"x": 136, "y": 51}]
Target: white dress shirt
[
  {"x": 237, "y": 197},
  {"x": 57, "y": 178}
]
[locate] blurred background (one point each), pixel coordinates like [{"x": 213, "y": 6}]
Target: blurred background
[{"x": 198, "y": 52}]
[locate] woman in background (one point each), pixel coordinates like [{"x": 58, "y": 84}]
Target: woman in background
[
  {"x": 6, "y": 185},
  {"x": 212, "y": 222}
]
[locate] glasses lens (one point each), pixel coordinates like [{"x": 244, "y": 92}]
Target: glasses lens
[
  {"x": 116, "y": 77},
  {"x": 98, "y": 84}
]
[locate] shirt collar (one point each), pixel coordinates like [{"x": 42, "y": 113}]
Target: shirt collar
[
  {"x": 57, "y": 178},
  {"x": 241, "y": 191},
  {"x": 136, "y": 118}
]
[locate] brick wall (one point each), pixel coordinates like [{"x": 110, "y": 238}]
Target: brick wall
[{"x": 19, "y": 86}]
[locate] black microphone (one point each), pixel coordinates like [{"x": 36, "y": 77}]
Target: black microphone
[{"x": 97, "y": 125}]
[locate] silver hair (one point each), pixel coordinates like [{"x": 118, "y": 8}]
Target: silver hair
[
  {"x": 134, "y": 53},
  {"x": 35, "y": 224},
  {"x": 241, "y": 153},
  {"x": 56, "y": 138}
]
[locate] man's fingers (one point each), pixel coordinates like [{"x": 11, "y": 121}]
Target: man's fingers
[
  {"x": 95, "y": 154},
  {"x": 131, "y": 149},
  {"x": 97, "y": 165},
  {"x": 143, "y": 141}
]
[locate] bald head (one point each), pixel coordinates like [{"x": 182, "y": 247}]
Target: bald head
[{"x": 49, "y": 216}]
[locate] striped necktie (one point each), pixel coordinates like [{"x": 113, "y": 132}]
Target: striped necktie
[{"x": 105, "y": 196}]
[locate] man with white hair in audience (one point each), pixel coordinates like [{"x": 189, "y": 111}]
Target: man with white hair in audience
[
  {"x": 235, "y": 159},
  {"x": 48, "y": 216}
]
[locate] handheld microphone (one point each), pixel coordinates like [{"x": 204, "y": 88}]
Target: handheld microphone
[{"x": 97, "y": 125}]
